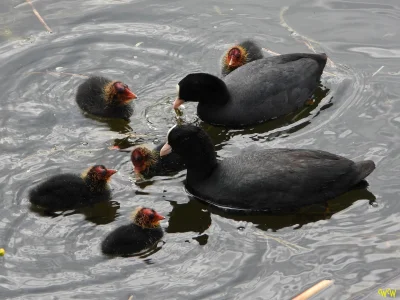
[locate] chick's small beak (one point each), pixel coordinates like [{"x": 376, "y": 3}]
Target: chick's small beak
[
  {"x": 231, "y": 61},
  {"x": 165, "y": 150},
  {"x": 178, "y": 102},
  {"x": 129, "y": 94},
  {"x": 110, "y": 172},
  {"x": 158, "y": 217}
]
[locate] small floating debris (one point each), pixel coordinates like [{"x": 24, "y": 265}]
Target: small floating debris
[
  {"x": 39, "y": 16},
  {"x": 138, "y": 44},
  {"x": 6, "y": 32},
  {"x": 315, "y": 289},
  {"x": 2, "y": 252},
  {"x": 218, "y": 10},
  {"x": 377, "y": 71},
  {"x": 270, "y": 51},
  {"x": 178, "y": 112}
]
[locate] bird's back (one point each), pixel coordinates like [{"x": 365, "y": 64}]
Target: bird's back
[
  {"x": 276, "y": 179},
  {"x": 267, "y": 88},
  {"x": 129, "y": 239},
  {"x": 90, "y": 95},
  {"x": 65, "y": 191}
]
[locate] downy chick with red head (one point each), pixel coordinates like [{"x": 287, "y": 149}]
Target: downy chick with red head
[
  {"x": 240, "y": 54},
  {"x": 70, "y": 191},
  {"x": 103, "y": 97},
  {"x": 144, "y": 232},
  {"x": 148, "y": 163}
]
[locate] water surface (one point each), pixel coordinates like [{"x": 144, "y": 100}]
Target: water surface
[{"x": 206, "y": 253}]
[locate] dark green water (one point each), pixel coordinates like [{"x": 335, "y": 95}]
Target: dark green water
[{"x": 206, "y": 254}]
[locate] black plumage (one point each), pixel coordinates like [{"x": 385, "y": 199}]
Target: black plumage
[
  {"x": 103, "y": 97},
  {"x": 256, "y": 92},
  {"x": 70, "y": 191},
  {"x": 144, "y": 232},
  {"x": 263, "y": 180}
]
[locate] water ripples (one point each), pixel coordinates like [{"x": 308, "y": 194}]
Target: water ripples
[{"x": 205, "y": 253}]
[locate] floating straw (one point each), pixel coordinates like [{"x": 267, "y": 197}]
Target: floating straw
[
  {"x": 315, "y": 289},
  {"x": 39, "y": 17}
]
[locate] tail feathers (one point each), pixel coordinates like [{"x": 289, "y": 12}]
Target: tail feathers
[
  {"x": 321, "y": 58},
  {"x": 365, "y": 168}
]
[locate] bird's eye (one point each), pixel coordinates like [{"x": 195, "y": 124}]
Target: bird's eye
[
  {"x": 151, "y": 216},
  {"x": 139, "y": 158}
]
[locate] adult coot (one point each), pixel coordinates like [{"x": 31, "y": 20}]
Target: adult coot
[
  {"x": 263, "y": 180},
  {"x": 69, "y": 191},
  {"x": 256, "y": 92},
  {"x": 240, "y": 54},
  {"x": 142, "y": 233},
  {"x": 103, "y": 97},
  {"x": 148, "y": 163}
]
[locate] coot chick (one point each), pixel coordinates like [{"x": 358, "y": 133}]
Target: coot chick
[
  {"x": 240, "y": 54},
  {"x": 103, "y": 97},
  {"x": 142, "y": 233},
  {"x": 70, "y": 191},
  {"x": 254, "y": 93},
  {"x": 262, "y": 180},
  {"x": 148, "y": 163}
]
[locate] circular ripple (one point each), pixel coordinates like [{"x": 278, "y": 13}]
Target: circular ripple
[{"x": 205, "y": 253}]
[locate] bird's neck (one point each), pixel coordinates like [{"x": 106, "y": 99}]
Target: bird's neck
[
  {"x": 201, "y": 166},
  {"x": 217, "y": 97},
  {"x": 145, "y": 225}
]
